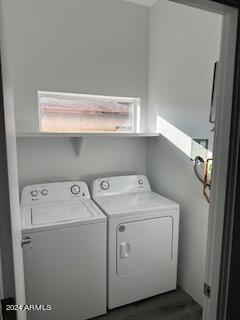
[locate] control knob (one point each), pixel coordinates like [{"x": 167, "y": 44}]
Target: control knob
[
  {"x": 44, "y": 192},
  {"x": 75, "y": 189},
  {"x": 34, "y": 193},
  {"x": 105, "y": 185}
]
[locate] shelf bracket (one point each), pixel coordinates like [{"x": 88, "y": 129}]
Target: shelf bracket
[{"x": 77, "y": 143}]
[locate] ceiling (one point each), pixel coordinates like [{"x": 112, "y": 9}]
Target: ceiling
[{"x": 146, "y": 3}]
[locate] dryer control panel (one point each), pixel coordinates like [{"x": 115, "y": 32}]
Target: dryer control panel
[
  {"x": 120, "y": 185},
  {"x": 54, "y": 192}
]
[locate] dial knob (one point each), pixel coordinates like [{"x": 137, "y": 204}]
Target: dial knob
[
  {"x": 75, "y": 189},
  {"x": 44, "y": 192},
  {"x": 140, "y": 181},
  {"x": 34, "y": 193},
  {"x": 105, "y": 185}
]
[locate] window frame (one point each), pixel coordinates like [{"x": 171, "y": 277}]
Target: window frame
[{"x": 135, "y": 114}]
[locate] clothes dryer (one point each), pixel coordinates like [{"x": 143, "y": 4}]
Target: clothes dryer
[{"x": 142, "y": 238}]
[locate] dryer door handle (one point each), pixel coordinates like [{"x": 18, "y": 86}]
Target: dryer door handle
[
  {"x": 26, "y": 241},
  {"x": 124, "y": 250}
]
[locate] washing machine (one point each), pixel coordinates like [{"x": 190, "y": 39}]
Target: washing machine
[
  {"x": 64, "y": 249},
  {"x": 142, "y": 238}
]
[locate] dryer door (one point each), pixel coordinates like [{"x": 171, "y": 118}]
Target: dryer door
[{"x": 145, "y": 244}]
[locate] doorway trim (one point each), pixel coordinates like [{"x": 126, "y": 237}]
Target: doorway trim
[
  {"x": 6, "y": 92},
  {"x": 228, "y": 302}
]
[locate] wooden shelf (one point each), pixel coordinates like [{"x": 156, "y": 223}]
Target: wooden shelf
[{"x": 85, "y": 135}]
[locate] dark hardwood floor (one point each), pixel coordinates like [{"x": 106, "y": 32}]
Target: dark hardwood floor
[{"x": 175, "y": 305}]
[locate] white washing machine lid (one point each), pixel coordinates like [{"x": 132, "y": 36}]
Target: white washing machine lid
[
  {"x": 51, "y": 214},
  {"x": 59, "y": 214},
  {"x": 134, "y": 203}
]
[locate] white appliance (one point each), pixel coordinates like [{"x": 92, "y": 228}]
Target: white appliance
[
  {"x": 142, "y": 238},
  {"x": 64, "y": 248}
]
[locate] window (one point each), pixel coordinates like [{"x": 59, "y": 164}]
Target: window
[{"x": 63, "y": 112}]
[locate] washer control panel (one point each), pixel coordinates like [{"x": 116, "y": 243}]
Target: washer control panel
[
  {"x": 118, "y": 185},
  {"x": 54, "y": 192}
]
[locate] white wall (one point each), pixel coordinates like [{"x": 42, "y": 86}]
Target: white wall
[
  {"x": 171, "y": 174},
  {"x": 78, "y": 46},
  {"x": 42, "y": 160},
  {"x": 184, "y": 44}
]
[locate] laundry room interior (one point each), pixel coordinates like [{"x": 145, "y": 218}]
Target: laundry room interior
[{"x": 161, "y": 53}]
